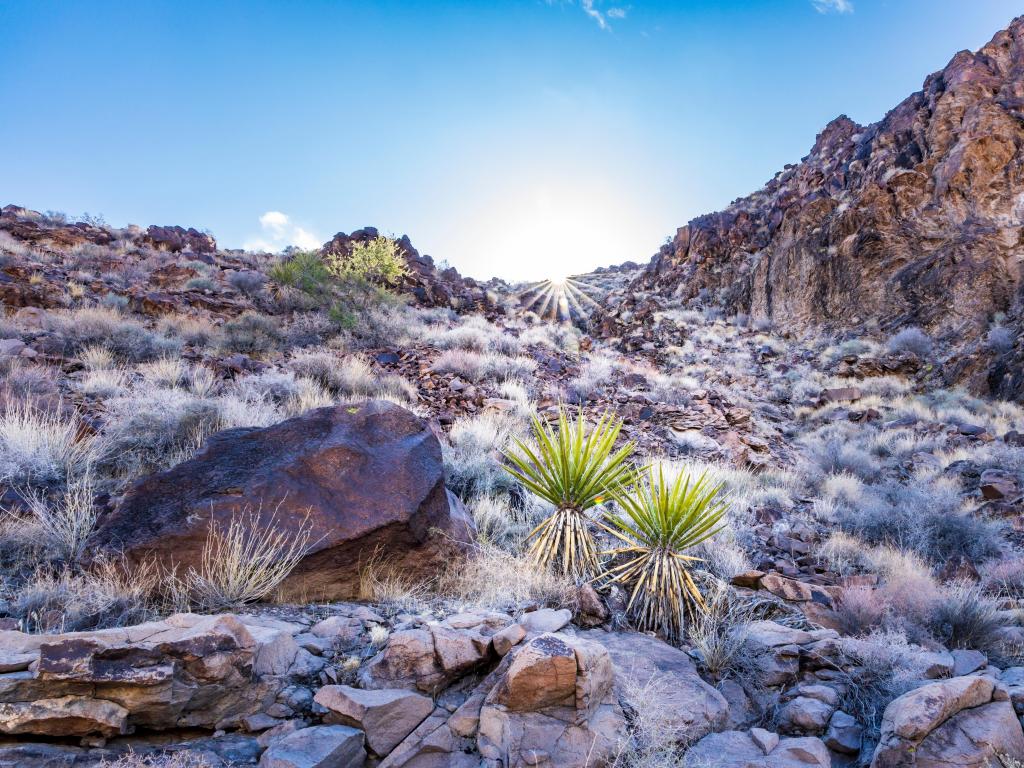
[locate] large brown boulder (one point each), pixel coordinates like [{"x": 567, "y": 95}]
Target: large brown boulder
[{"x": 367, "y": 480}]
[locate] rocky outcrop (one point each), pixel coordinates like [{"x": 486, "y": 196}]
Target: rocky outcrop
[
  {"x": 916, "y": 219},
  {"x": 430, "y": 286},
  {"x": 321, "y": 472},
  {"x": 963, "y": 721},
  {"x": 179, "y": 240}
]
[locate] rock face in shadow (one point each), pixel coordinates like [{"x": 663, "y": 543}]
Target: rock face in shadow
[
  {"x": 368, "y": 477},
  {"x": 916, "y": 219}
]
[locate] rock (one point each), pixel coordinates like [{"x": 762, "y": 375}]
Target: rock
[
  {"x": 963, "y": 721},
  {"x": 844, "y": 734},
  {"x": 805, "y": 716},
  {"x": 64, "y": 716},
  {"x": 341, "y": 630},
  {"x": 735, "y": 749},
  {"x": 591, "y": 610},
  {"x": 967, "y": 661},
  {"x": 385, "y": 716},
  {"x": 503, "y": 641},
  {"x": 839, "y": 395},
  {"x": 320, "y": 469},
  {"x": 644, "y": 664},
  {"x": 322, "y": 746},
  {"x": 552, "y": 705},
  {"x": 546, "y": 620},
  {"x": 998, "y": 484},
  {"x": 425, "y": 659},
  {"x": 11, "y": 347},
  {"x": 178, "y": 239}
]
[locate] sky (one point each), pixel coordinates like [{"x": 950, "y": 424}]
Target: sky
[{"x": 524, "y": 139}]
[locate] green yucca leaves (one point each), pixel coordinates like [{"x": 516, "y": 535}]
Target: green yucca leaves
[
  {"x": 574, "y": 470},
  {"x": 660, "y": 521}
]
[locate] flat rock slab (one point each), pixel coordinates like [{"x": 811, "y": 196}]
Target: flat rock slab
[
  {"x": 323, "y": 746},
  {"x": 385, "y": 716}
]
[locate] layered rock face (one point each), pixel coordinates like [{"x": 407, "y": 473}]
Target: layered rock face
[
  {"x": 365, "y": 480},
  {"x": 916, "y": 219}
]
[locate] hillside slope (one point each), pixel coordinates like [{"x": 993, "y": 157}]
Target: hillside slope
[{"x": 913, "y": 220}]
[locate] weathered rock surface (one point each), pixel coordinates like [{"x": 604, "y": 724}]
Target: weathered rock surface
[
  {"x": 322, "y": 469},
  {"x": 323, "y": 746},
  {"x": 385, "y": 716},
  {"x": 963, "y": 721},
  {"x": 915, "y": 219},
  {"x": 756, "y": 749}
]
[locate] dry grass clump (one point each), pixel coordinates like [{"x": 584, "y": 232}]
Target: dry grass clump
[
  {"x": 178, "y": 759},
  {"x": 495, "y": 579},
  {"x": 382, "y": 583},
  {"x": 593, "y": 375},
  {"x": 251, "y": 333},
  {"x": 477, "y": 367},
  {"x": 126, "y": 339},
  {"x": 911, "y": 339},
  {"x": 67, "y": 520},
  {"x": 718, "y": 632},
  {"x": 39, "y": 447},
  {"x": 245, "y": 561},
  {"x": 654, "y": 737},
  {"x": 472, "y": 454},
  {"x": 109, "y": 594},
  {"x": 351, "y": 377}
]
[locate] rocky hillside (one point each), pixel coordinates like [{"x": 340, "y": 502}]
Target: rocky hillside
[{"x": 915, "y": 220}]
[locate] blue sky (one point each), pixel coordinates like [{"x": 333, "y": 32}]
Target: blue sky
[{"x": 524, "y": 139}]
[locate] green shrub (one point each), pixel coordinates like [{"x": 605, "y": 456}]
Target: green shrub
[
  {"x": 662, "y": 520},
  {"x": 304, "y": 271},
  {"x": 573, "y": 470}
]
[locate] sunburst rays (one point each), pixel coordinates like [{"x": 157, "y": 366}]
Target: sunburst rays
[{"x": 562, "y": 299}]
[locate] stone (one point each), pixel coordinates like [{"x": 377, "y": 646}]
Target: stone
[
  {"x": 590, "y": 608},
  {"x": 385, "y": 716},
  {"x": 64, "y": 716},
  {"x": 542, "y": 674},
  {"x": 967, "y": 661},
  {"x": 320, "y": 472},
  {"x": 425, "y": 659},
  {"x": 735, "y": 749},
  {"x": 322, "y": 746},
  {"x": 503, "y": 641},
  {"x": 844, "y": 734},
  {"x": 341, "y": 630},
  {"x": 998, "y": 484},
  {"x": 546, "y": 620},
  {"x": 692, "y": 708},
  {"x": 962, "y": 721},
  {"x": 804, "y": 716}
]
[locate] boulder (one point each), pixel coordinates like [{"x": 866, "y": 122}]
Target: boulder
[
  {"x": 385, "y": 716},
  {"x": 546, "y": 620},
  {"x": 667, "y": 675},
  {"x": 735, "y": 749},
  {"x": 323, "y": 746},
  {"x": 425, "y": 659},
  {"x": 319, "y": 471},
  {"x": 552, "y": 705},
  {"x": 963, "y": 721}
]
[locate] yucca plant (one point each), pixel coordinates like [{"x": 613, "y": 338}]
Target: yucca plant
[
  {"x": 660, "y": 520},
  {"x": 574, "y": 469}
]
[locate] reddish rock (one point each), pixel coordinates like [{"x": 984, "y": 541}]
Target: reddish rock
[{"x": 323, "y": 467}]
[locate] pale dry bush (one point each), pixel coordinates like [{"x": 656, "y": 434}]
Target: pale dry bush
[
  {"x": 39, "y": 446},
  {"x": 384, "y": 584},
  {"x": 108, "y": 594},
  {"x": 160, "y": 760},
  {"x": 495, "y": 579},
  {"x": 653, "y": 739},
  {"x": 68, "y": 519},
  {"x": 472, "y": 454},
  {"x": 165, "y": 372},
  {"x": 96, "y": 358},
  {"x": 718, "y": 632},
  {"x": 245, "y": 561},
  {"x": 104, "y": 382}
]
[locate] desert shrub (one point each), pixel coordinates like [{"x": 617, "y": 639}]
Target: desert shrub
[
  {"x": 304, "y": 271},
  {"x": 593, "y": 375},
  {"x": 472, "y": 455},
  {"x": 127, "y": 339},
  {"x": 572, "y": 468},
  {"x": 147, "y": 429},
  {"x": 178, "y": 759},
  {"x": 468, "y": 365},
  {"x": 68, "y": 518},
  {"x": 654, "y": 736},
  {"x": 718, "y": 632},
  {"x": 495, "y": 579},
  {"x": 965, "y": 617},
  {"x": 911, "y": 339},
  {"x": 104, "y": 382},
  {"x": 925, "y": 516},
  {"x": 246, "y": 281},
  {"x": 659, "y": 522},
  {"x": 165, "y": 372},
  {"x": 38, "y": 448},
  {"x": 463, "y": 337},
  {"x": 351, "y": 377},
  {"x": 307, "y": 396},
  {"x": 377, "y": 262},
  {"x": 251, "y": 333},
  {"x": 999, "y": 339},
  {"x": 114, "y": 301},
  {"x": 201, "y": 284},
  {"x": 109, "y": 594},
  {"x": 28, "y": 381},
  {"x": 837, "y": 456},
  {"x": 885, "y": 666},
  {"x": 275, "y": 386},
  {"x": 308, "y": 329},
  {"x": 197, "y": 331},
  {"x": 393, "y": 590},
  {"x": 245, "y": 561},
  {"x": 561, "y": 337},
  {"x": 503, "y": 525}
]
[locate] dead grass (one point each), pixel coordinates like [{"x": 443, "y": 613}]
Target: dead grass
[{"x": 495, "y": 579}]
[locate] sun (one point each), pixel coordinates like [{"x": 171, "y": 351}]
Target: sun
[{"x": 559, "y": 298}]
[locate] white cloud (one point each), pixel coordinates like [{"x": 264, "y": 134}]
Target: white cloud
[
  {"x": 617, "y": 13},
  {"x": 278, "y": 231},
  {"x": 833, "y": 6},
  {"x": 592, "y": 12}
]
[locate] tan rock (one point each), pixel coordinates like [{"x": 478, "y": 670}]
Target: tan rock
[{"x": 385, "y": 716}]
